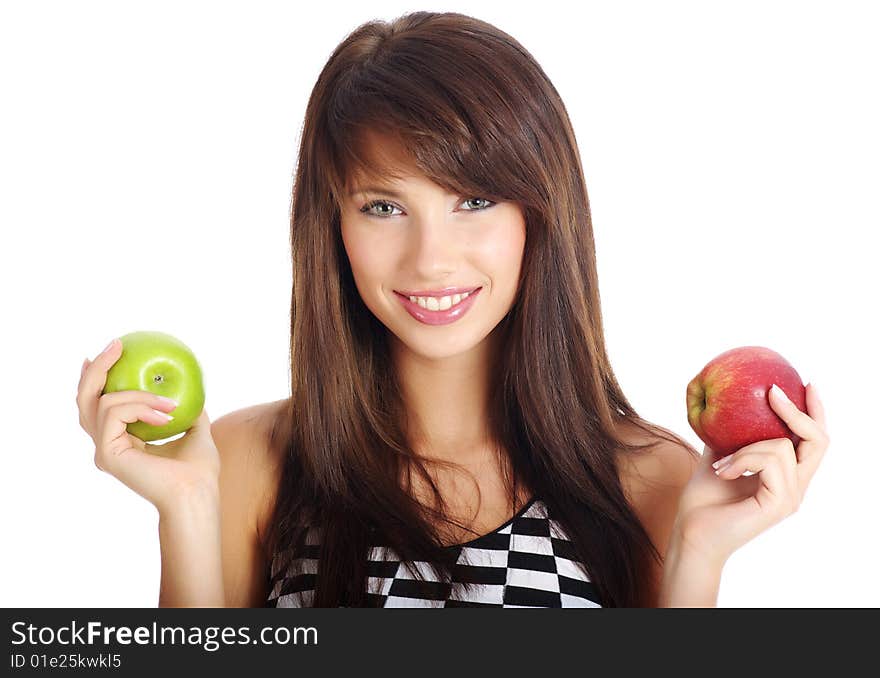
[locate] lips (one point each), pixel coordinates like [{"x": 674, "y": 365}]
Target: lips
[
  {"x": 450, "y": 315},
  {"x": 445, "y": 292}
]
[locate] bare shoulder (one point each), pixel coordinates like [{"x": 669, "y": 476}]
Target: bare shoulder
[
  {"x": 663, "y": 467},
  {"x": 653, "y": 480},
  {"x": 247, "y": 481},
  {"x": 242, "y": 438}
]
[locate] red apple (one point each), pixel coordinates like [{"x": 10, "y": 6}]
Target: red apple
[{"x": 728, "y": 402}]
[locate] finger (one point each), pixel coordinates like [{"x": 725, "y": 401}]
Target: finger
[
  {"x": 82, "y": 372},
  {"x": 814, "y": 439},
  {"x": 201, "y": 426},
  {"x": 154, "y": 400},
  {"x": 777, "y": 490},
  {"x": 81, "y": 405},
  {"x": 115, "y": 419},
  {"x": 706, "y": 458},
  {"x": 781, "y": 446},
  {"x": 94, "y": 377},
  {"x": 811, "y": 452},
  {"x": 709, "y": 455},
  {"x": 801, "y": 423},
  {"x": 815, "y": 408},
  {"x": 90, "y": 416},
  {"x": 200, "y": 429},
  {"x": 195, "y": 445}
]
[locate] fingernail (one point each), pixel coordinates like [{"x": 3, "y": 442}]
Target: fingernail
[
  {"x": 779, "y": 392},
  {"x": 722, "y": 462},
  {"x": 721, "y": 469},
  {"x": 163, "y": 414},
  {"x": 109, "y": 346},
  {"x": 170, "y": 401}
]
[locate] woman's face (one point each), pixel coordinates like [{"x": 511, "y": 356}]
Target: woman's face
[{"x": 413, "y": 236}]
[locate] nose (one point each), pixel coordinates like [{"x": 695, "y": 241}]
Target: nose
[{"x": 434, "y": 248}]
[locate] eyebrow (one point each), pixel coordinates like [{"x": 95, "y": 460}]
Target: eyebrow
[{"x": 377, "y": 189}]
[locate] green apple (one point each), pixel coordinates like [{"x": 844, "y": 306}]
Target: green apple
[{"x": 164, "y": 365}]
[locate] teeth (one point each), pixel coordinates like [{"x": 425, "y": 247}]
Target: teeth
[{"x": 439, "y": 303}]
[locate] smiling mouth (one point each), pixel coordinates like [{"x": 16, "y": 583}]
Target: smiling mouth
[{"x": 444, "y": 303}]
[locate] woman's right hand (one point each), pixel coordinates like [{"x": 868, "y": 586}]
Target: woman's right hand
[{"x": 162, "y": 474}]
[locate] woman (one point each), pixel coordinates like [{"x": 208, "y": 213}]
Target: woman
[{"x": 455, "y": 434}]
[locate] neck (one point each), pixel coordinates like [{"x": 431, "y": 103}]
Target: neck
[{"x": 447, "y": 402}]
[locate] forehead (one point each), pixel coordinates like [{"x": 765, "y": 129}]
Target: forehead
[{"x": 386, "y": 160}]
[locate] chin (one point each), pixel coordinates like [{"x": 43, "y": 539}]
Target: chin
[
  {"x": 440, "y": 347},
  {"x": 439, "y": 352}
]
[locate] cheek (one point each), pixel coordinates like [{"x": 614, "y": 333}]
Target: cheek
[
  {"x": 368, "y": 262},
  {"x": 503, "y": 252}
]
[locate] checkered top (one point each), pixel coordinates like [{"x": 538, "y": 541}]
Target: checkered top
[{"x": 527, "y": 562}]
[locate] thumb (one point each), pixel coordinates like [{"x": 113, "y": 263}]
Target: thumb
[
  {"x": 197, "y": 436},
  {"x": 198, "y": 443},
  {"x": 708, "y": 456},
  {"x": 202, "y": 422},
  {"x": 201, "y": 427}
]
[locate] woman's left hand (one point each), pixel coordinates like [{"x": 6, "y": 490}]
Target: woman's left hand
[{"x": 720, "y": 512}]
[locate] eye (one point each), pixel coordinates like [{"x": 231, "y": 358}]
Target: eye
[
  {"x": 366, "y": 209},
  {"x": 378, "y": 203},
  {"x": 485, "y": 207}
]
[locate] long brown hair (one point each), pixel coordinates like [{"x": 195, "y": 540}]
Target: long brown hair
[{"x": 479, "y": 117}]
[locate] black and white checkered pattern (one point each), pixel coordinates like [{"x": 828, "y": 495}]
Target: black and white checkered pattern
[{"x": 527, "y": 562}]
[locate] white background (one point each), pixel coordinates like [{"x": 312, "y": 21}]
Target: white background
[{"x": 146, "y": 160}]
